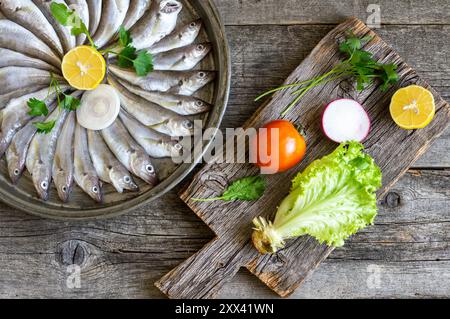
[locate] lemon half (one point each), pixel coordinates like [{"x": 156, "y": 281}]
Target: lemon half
[
  {"x": 84, "y": 68},
  {"x": 413, "y": 107}
]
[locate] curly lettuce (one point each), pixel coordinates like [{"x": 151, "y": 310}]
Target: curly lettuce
[{"x": 331, "y": 200}]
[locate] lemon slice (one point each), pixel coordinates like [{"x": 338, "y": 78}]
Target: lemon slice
[
  {"x": 413, "y": 107},
  {"x": 84, "y": 67}
]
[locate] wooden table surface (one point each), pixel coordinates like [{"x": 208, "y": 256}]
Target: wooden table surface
[{"x": 405, "y": 254}]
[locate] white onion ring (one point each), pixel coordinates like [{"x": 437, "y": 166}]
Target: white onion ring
[{"x": 99, "y": 108}]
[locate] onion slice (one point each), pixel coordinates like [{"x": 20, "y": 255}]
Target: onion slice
[
  {"x": 345, "y": 120},
  {"x": 99, "y": 108}
]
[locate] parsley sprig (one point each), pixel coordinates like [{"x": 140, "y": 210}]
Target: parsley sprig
[
  {"x": 69, "y": 18},
  {"x": 129, "y": 56},
  {"x": 246, "y": 189},
  {"x": 360, "y": 64},
  {"x": 39, "y": 107}
]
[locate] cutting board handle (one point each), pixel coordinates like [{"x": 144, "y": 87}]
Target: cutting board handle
[{"x": 205, "y": 273}]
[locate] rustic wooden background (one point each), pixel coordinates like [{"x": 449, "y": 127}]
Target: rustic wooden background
[{"x": 406, "y": 254}]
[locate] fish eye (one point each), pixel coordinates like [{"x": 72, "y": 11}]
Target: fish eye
[
  {"x": 189, "y": 125},
  {"x": 200, "y": 47},
  {"x": 199, "y": 103},
  {"x": 64, "y": 189},
  {"x": 95, "y": 190},
  {"x": 150, "y": 169},
  {"x": 171, "y": 5},
  {"x": 44, "y": 185},
  {"x": 202, "y": 74},
  {"x": 178, "y": 147},
  {"x": 16, "y": 172},
  {"x": 193, "y": 24},
  {"x": 127, "y": 179}
]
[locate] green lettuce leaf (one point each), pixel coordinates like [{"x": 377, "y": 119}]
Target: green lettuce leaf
[{"x": 330, "y": 201}]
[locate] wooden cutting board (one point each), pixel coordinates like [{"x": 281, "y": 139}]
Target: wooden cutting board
[{"x": 394, "y": 149}]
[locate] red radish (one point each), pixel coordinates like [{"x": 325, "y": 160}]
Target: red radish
[{"x": 345, "y": 120}]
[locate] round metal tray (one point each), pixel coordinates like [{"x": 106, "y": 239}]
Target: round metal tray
[{"x": 23, "y": 195}]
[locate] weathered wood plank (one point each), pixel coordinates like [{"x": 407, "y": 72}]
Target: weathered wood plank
[
  {"x": 256, "y": 12},
  {"x": 394, "y": 150},
  {"x": 336, "y": 279},
  {"x": 123, "y": 257}
]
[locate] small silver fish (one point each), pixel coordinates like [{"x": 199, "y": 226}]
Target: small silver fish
[
  {"x": 180, "y": 104},
  {"x": 183, "y": 83},
  {"x": 181, "y": 37},
  {"x": 113, "y": 14},
  {"x": 156, "y": 145},
  {"x": 82, "y": 9},
  {"x": 129, "y": 153},
  {"x": 151, "y": 114},
  {"x": 68, "y": 41},
  {"x": 16, "y": 154},
  {"x": 17, "y": 38},
  {"x": 63, "y": 169},
  {"x": 160, "y": 21},
  {"x": 85, "y": 174},
  {"x": 15, "y": 115},
  {"x": 108, "y": 168},
  {"x": 28, "y": 15},
  {"x": 6, "y": 98},
  {"x": 95, "y": 14},
  {"x": 194, "y": 81},
  {"x": 181, "y": 59},
  {"x": 13, "y": 58},
  {"x": 41, "y": 153},
  {"x": 135, "y": 12},
  {"x": 13, "y": 78},
  {"x": 175, "y": 127}
]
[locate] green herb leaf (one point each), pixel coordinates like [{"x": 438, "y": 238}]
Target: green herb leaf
[
  {"x": 362, "y": 58},
  {"x": 60, "y": 12},
  {"x": 331, "y": 200},
  {"x": 350, "y": 46},
  {"x": 45, "y": 127},
  {"x": 141, "y": 61},
  {"x": 126, "y": 57},
  {"x": 143, "y": 64},
  {"x": 129, "y": 57},
  {"x": 70, "y": 18},
  {"x": 359, "y": 64},
  {"x": 353, "y": 43},
  {"x": 69, "y": 103},
  {"x": 246, "y": 189},
  {"x": 124, "y": 37},
  {"x": 38, "y": 107},
  {"x": 80, "y": 28},
  {"x": 389, "y": 75}
]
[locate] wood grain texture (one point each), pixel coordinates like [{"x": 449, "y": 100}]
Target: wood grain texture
[
  {"x": 256, "y": 12},
  {"x": 203, "y": 275},
  {"x": 125, "y": 256}
]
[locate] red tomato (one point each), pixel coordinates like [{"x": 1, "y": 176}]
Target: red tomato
[{"x": 286, "y": 151}]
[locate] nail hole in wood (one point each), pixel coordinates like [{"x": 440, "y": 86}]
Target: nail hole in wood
[{"x": 393, "y": 200}]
